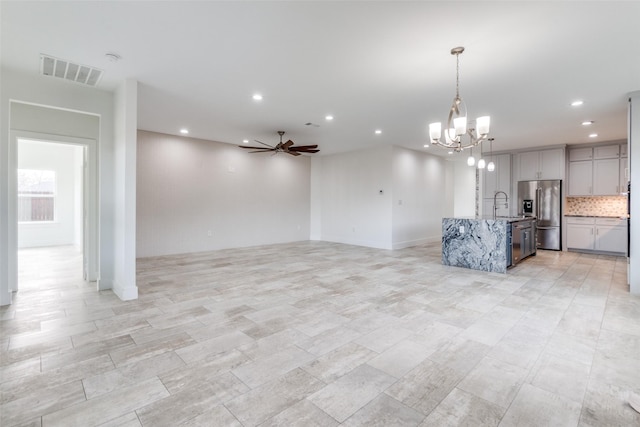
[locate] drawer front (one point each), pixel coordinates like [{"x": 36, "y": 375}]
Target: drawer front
[
  {"x": 611, "y": 221},
  {"x": 581, "y": 220}
]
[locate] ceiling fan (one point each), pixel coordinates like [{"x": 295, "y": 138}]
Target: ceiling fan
[{"x": 282, "y": 147}]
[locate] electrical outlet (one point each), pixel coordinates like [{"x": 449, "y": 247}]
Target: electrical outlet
[
  {"x": 461, "y": 229},
  {"x": 209, "y": 233}
]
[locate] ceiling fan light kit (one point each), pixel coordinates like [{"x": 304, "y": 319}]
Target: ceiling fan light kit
[
  {"x": 282, "y": 147},
  {"x": 457, "y": 125}
]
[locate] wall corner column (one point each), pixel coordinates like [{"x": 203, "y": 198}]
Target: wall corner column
[
  {"x": 126, "y": 144},
  {"x": 634, "y": 178}
]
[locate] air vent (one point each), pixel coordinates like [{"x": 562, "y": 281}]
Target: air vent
[{"x": 55, "y": 67}]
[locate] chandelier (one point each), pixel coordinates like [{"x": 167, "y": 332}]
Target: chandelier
[{"x": 457, "y": 127}]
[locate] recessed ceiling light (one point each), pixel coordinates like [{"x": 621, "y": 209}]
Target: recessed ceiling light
[
  {"x": 593, "y": 135},
  {"x": 378, "y": 131},
  {"x": 245, "y": 141},
  {"x": 329, "y": 117},
  {"x": 587, "y": 122},
  {"x": 450, "y": 152},
  {"x": 426, "y": 145},
  {"x": 184, "y": 131},
  {"x": 257, "y": 97},
  {"x": 576, "y": 103}
]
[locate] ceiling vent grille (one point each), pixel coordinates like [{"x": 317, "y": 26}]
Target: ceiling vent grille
[{"x": 67, "y": 70}]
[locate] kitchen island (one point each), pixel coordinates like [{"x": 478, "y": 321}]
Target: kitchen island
[{"x": 485, "y": 243}]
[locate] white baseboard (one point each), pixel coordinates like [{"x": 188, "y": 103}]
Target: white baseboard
[{"x": 125, "y": 293}]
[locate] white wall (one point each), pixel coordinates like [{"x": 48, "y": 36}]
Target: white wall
[
  {"x": 352, "y": 209},
  {"x": 63, "y": 160},
  {"x": 419, "y": 197},
  {"x": 188, "y": 187},
  {"x": 79, "y": 106}
]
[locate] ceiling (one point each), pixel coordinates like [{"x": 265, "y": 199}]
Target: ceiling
[{"x": 372, "y": 65}]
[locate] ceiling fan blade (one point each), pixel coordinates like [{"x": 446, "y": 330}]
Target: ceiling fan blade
[
  {"x": 287, "y": 144},
  {"x": 263, "y": 151},
  {"x": 293, "y": 153},
  {"x": 255, "y": 148},
  {"x": 303, "y": 147},
  {"x": 260, "y": 142},
  {"x": 308, "y": 151}
]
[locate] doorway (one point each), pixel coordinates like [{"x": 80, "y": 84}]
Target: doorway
[
  {"x": 50, "y": 211},
  {"x": 54, "y": 198}
]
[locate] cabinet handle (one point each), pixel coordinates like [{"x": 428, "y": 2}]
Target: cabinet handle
[
  {"x": 589, "y": 189},
  {"x": 592, "y": 231}
]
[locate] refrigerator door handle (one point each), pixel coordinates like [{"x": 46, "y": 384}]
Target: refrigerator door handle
[{"x": 545, "y": 228}]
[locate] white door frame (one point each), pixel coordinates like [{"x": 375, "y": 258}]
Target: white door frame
[{"x": 91, "y": 235}]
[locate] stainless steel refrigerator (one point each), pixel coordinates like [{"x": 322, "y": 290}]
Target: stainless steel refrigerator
[{"x": 543, "y": 199}]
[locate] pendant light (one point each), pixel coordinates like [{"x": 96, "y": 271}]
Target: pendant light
[
  {"x": 481, "y": 163},
  {"x": 491, "y": 166}
]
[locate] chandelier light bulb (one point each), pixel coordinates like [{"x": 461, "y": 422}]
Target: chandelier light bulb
[
  {"x": 435, "y": 130},
  {"x": 460, "y": 124},
  {"x": 481, "y": 164},
  {"x": 471, "y": 160},
  {"x": 491, "y": 167}
]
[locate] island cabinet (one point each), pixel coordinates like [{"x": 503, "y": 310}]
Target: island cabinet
[
  {"x": 541, "y": 164},
  {"x": 486, "y": 243},
  {"x": 597, "y": 171},
  {"x": 597, "y": 234}
]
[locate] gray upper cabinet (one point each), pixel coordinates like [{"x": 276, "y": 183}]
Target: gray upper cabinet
[
  {"x": 581, "y": 178},
  {"x": 579, "y": 154},
  {"x": 606, "y": 152},
  {"x": 597, "y": 171},
  {"x": 542, "y": 164},
  {"x": 606, "y": 177}
]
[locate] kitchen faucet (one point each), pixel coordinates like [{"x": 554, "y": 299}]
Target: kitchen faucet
[{"x": 495, "y": 205}]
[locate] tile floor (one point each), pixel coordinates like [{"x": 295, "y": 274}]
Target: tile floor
[{"x": 322, "y": 334}]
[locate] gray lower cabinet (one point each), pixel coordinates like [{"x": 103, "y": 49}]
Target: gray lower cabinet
[{"x": 597, "y": 234}]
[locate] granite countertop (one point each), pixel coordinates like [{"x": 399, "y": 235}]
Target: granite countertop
[{"x": 498, "y": 218}]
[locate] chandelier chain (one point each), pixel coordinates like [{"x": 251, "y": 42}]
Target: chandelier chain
[{"x": 457, "y": 76}]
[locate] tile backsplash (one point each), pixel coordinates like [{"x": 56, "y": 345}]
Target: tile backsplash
[{"x": 597, "y": 206}]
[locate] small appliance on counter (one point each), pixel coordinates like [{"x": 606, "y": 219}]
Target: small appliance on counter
[{"x": 543, "y": 200}]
